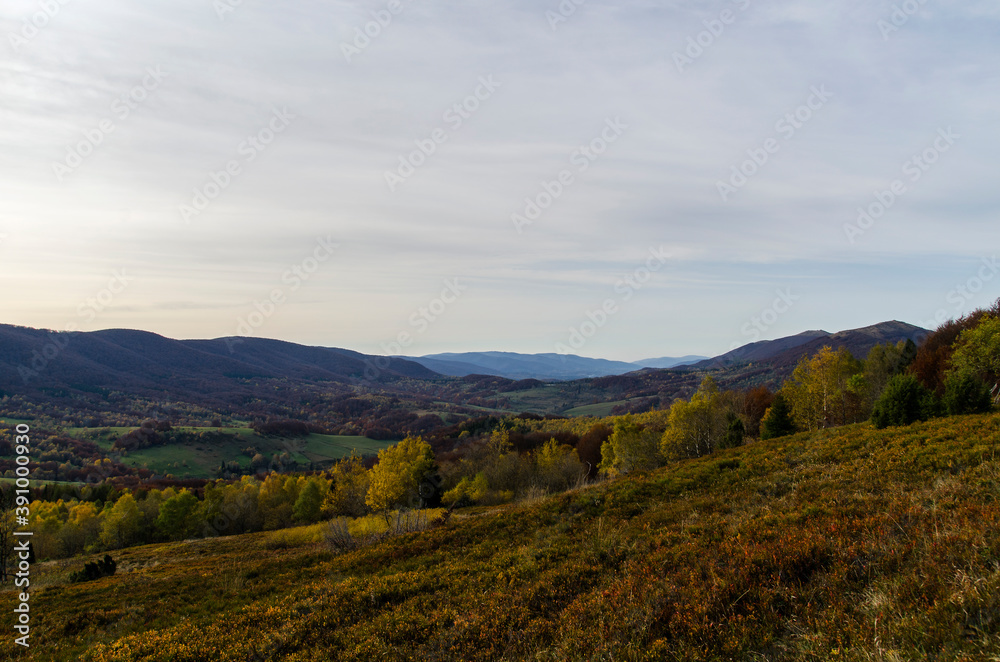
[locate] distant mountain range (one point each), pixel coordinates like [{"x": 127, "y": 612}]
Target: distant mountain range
[
  {"x": 538, "y": 366},
  {"x": 667, "y": 362},
  {"x": 116, "y": 371},
  {"x": 779, "y": 353},
  {"x": 148, "y": 364}
]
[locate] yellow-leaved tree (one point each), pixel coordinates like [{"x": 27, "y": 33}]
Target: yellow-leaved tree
[
  {"x": 558, "y": 466},
  {"x": 821, "y": 392},
  {"x": 395, "y": 480},
  {"x": 349, "y": 488},
  {"x": 120, "y": 527},
  {"x": 697, "y": 427},
  {"x": 629, "y": 448}
]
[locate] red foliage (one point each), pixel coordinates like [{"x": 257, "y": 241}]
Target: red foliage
[
  {"x": 934, "y": 355},
  {"x": 589, "y": 446}
]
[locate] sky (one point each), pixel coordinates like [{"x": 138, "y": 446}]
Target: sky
[{"x": 620, "y": 180}]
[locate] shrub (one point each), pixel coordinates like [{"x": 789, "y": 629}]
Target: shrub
[
  {"x": 904, "y": 401},
  {"x": 964, "y": 393},
  {"x": 338, "y": 537},
  {"x": 735, "y": 432},
  {"x": 95, "y": 570},
  {"x": 408, "y": 521},
  {"x": 468, "y": 491}
]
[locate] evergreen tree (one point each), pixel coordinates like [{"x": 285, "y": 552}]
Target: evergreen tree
[
  {"x": 777, "y": 421},
  {"x": 964, "y": 393},
  {"x": 735, "y": 431},
  {"x": 904, "y": 401}
]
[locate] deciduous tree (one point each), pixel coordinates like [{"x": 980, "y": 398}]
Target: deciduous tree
[
  {"x": 558, "y": 466},
  {"x": 820, "y": 392},
  {"x": 697, "y": 427},
  {"x": 309, "y": 505},
  {"x": 176, "y": 519},
  {"x": 629, "y": 448},
  {"x": 394, "y": 481},
  {"x": 978, "y": 351},
  {"x": 349, "y": 488},
  {"x": 121, "y": 523}
]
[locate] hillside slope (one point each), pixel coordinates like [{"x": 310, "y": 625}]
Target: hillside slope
[
  {"x": 35, "y": 362},
  {"x": 846, "y": 544},
  {"x": 784, "y": 353}
]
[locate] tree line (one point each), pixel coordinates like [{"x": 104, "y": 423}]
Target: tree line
[{"x": 956, "y": 370}]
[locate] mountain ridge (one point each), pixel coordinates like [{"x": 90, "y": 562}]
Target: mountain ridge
[
  {"x": 784, "y": 353},
  {"x": 122, "y": 372}
]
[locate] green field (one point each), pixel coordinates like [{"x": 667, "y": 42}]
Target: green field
[
  {"x": 202, "y": 459},
  {"x": 845, "y": 544},
  {"x": 11, "y": 422},
  {"x": 600, "y": 409},
  {"x": 542, "y": 399}
]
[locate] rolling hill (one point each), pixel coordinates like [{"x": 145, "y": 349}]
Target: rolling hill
[
  {"x": 784, "y": 353},
  {"x": 780, "y": 355},
  {"x": 147, "y": 364},
  {"x": 843, "y": 544},
  {"x": 117, "y": 376}
]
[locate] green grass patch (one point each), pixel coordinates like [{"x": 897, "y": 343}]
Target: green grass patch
[
  {"x": 201, "y": 458},
  {"x": 599, "y": 410}
]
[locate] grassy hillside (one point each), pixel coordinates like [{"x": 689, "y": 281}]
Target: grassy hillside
[
  {"x": 202, "y": 459},
  {"x": 847, "y": 544}
]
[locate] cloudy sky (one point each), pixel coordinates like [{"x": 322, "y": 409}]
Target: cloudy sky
[{"x": 626, "y": 179}]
